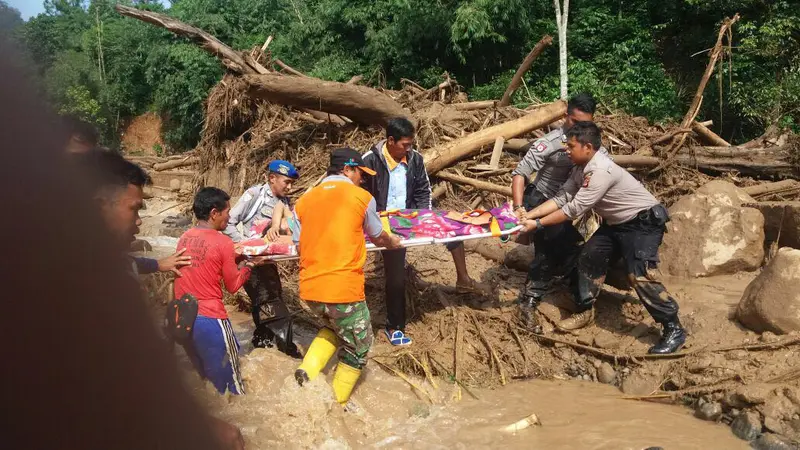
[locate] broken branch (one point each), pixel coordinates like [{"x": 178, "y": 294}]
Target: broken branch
[{"x": 526, "y": 64}]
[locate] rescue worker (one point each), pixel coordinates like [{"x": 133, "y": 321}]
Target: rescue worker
[
  {"x": 334, "y": 217},
  {"x": 633, "y": 227},
  {"x": 558, "y": 246},
  {"x": 401, "y": 182},
  {"x": 254, "y": 211}
]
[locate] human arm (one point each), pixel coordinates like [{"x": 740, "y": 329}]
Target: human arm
[
  {"x": 422, "y": 186},
  {"x": 518, "y": 183},
  {"x": 278, "y": 213},
  {"x": 238, "y": 212},
  {"x": 146, "y": 266},
  {"x": 592, "y": 190},
  {"x": 233, "y": 275},
  {"x": 174, "y": 262},
  {"x": 374, "y": 229}
]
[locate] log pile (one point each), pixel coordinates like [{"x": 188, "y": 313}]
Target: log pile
[{"x": 264, "y": 109}]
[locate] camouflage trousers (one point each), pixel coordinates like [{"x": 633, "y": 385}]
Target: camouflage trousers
[{"x": 352, "y": 324}]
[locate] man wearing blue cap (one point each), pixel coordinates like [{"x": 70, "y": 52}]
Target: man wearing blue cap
[{"x": 254, "y": 211}]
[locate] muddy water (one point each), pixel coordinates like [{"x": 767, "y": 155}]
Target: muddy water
[
  {"x": 276, "y": 413},
  {"x": 574, "y": 415}
]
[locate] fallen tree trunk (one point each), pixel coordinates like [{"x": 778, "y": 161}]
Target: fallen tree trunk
[
  {"x": 526, "y": 64},
  {"x": 478, "y": 184},
  {"x": 289, "y": 68},
  {"x": 443, "y": 85},
  {"x": 773, "y": 188},
  {"x": 756, "y": 168},
  {"x": 175, "y": 163},
  {"x": 708, "y": 135},
  {"x": 230, "y": 58},
  {"x": 360, "y": 103},
  {"x": 446, "y": 155},
  {"x": 516, "y": 145},
  {"x": 471, "y": 106},
  {"x": 510, "y": 254}
]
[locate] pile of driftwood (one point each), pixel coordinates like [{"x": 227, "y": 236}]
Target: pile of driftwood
[{"x": 264, "y": 109}]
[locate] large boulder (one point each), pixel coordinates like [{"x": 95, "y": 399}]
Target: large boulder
[
  {"x": 711, "y": 233},
  {"x": 771, "y": 302}
]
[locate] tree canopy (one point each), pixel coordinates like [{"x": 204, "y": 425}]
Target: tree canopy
[{"x": 644, "y": 57}]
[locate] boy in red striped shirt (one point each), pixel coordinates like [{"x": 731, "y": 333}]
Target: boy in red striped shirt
[{"x": 213, "y": 346}]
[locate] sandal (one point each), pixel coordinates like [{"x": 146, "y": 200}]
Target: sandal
[
  {"x": 397, "y": 338},
  {"x": 473, "y": 288},
  {"x": 181, "y": 314}
]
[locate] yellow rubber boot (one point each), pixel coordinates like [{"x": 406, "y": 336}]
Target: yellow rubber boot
[
  {"x": 319, "y": 353},
  {"x": 344, "y": 380}
]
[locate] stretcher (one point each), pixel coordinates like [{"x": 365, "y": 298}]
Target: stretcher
[{"x": 416, "y": 228}]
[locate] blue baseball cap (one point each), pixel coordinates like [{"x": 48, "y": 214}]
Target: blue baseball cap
[{"x": 285, "y": 168}]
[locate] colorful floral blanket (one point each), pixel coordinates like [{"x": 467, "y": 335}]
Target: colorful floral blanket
[{"x": 415, "y": 224}]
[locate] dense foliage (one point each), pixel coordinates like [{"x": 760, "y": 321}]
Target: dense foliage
[{"x": 641, "y": 56}]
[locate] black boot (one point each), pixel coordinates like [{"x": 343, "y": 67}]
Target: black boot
[
  {"x": 527, "y": 312},
  {"x": 284, "y": 340},
  {"x": 263, "y": 337},
  {"x": 672, "y": 338}
]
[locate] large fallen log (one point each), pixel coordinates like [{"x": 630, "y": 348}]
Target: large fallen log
[
  {"x": 526, "y": 64},
  {"x": 360, "y": 103},
  {"x": 778, "y": 187},
  {"x": 229, "y": 57},
  {"x": 175, "y": 163},
  {"x": 471, "y": 106},
  {"x": 446, "y": 155},
  {"x": 478, "y": 184},
  {"x": 756, "y": 167},
  {"x": 708, "y": 135}
]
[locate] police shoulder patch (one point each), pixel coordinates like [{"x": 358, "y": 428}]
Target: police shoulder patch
[
  {"x": 540, "y": 147},
  {"x": 586, "y": 179}
]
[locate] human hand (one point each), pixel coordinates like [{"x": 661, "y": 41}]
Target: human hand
[
  {"x": 530, "y": 225},
  {"x": 257, "y": 261},
  {"x": 520, "y": 213},
  {"x": 237, "y": 249},
  {"x": 174, "y": 262},
  {"x": 394, "y": 242},
  {"x": 273, "y": 233}
]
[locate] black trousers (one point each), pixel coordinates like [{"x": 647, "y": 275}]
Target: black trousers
[
  {"x": 394, "y": 267},
  {"x": 636, "y": 242},
  {"x": 266, "y": 297},
  {"x": 556, "y": 250}
]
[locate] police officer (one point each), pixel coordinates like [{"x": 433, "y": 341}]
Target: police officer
[
  {"x": 633, "y": 227},
  {"x": 557, "y": 247},
  {"x": 254, "y": 211}
]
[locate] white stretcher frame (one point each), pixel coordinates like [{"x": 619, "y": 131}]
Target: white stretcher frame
[{"x": 417, "y": 242}]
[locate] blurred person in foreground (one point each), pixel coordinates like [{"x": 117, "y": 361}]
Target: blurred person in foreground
[{"x": 89, "y": 369}]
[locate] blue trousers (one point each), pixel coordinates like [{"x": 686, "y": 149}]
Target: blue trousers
[{"x": 214, "y": 352}]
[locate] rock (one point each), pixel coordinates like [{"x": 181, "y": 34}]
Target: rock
[
  {"x": 604, "y": 339},
  {"x": 768, "y": 337},
  {"x": 175, "y": 184},
  {"x": 709, "y": 411},
  {"x": 773, "y": 424},
  {"x": 597, "y": 363},
  {"x": 640, "y": 330},
  {"x": 771, "y": 301},
  {"x": 711, "y": 233},
  {"x": 140, "y": 245},
  {"x": 606, "y": 374},
  {"x": 769, "y": 441},
  {"x": 638, "y": 384},
  {"x": 584, "y": 339},
  {"x": 781, "y": 221},
  {"x": 519, "y": 257},
  {"x": 747, "y": 426},
  {"x": 749, "y": 395}
]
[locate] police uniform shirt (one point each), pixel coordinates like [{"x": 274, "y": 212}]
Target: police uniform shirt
[
  {"x": 607, "y": 188},
  {"x": 546, "y": 157}
]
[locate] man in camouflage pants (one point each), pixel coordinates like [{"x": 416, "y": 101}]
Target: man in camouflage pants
[{"x": 334, "y": 217}]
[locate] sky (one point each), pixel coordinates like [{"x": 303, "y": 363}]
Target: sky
[{"x": 30, "y": 8}]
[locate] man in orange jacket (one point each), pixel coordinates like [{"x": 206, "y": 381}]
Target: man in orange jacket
[{"x": 333, "y": 217}]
